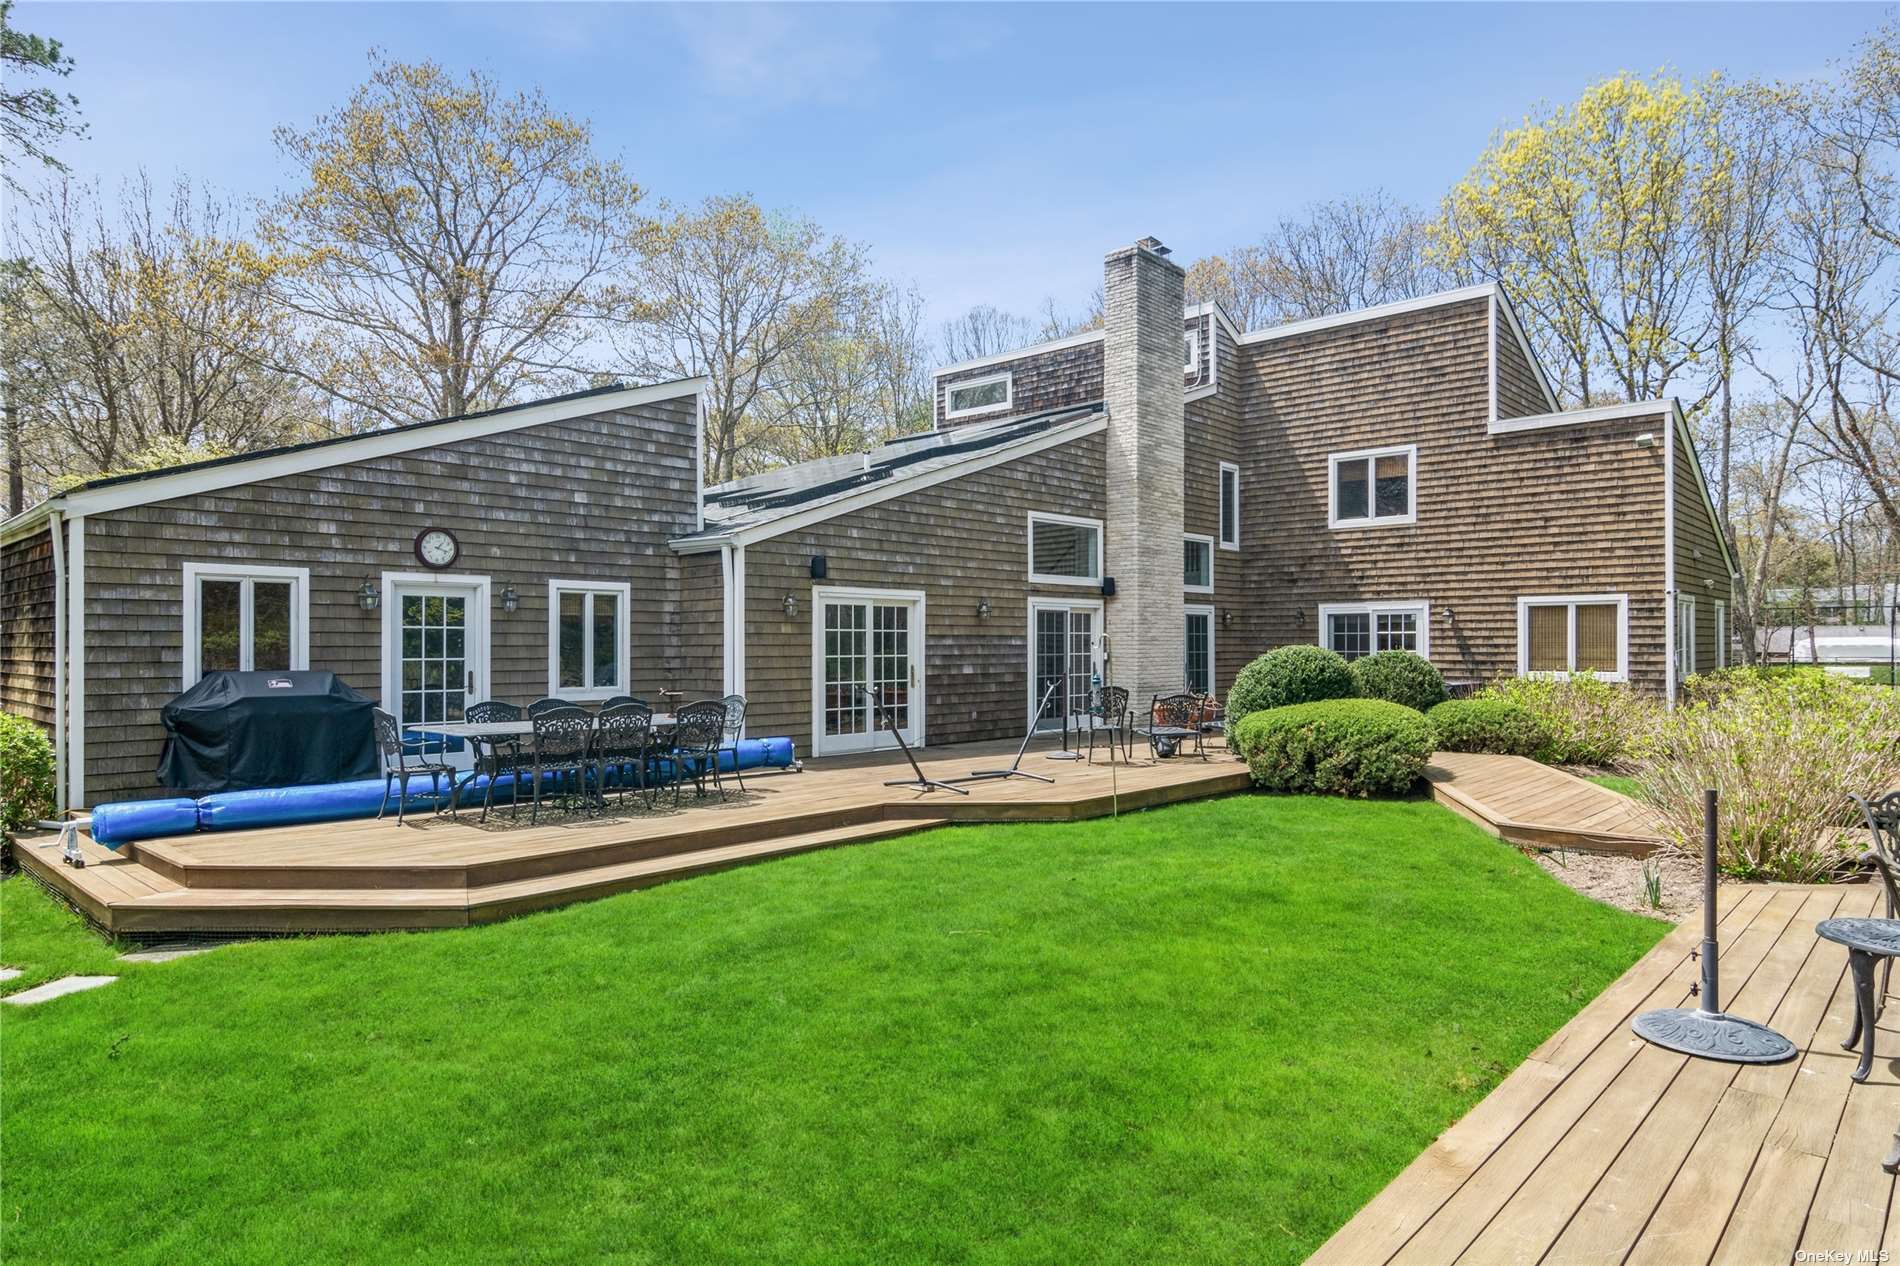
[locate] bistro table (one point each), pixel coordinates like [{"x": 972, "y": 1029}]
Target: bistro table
[{"x": 1866, "y": 940}]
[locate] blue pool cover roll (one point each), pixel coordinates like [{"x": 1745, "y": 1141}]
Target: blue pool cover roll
[
  {"x": 132, "y": 820},
  {"x": 116, "y": 824}
]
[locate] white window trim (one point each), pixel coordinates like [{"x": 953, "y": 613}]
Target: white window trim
[
  {"x": 1721, "y": 633},
  {"x": 1220, "y": 495},
  {"x": 1191, "y": 368},
  {"x": 1213, "y": 674},
  {"x": 624, "y": 592},
  {"x": 1409, "y": 452},
  {"x": 919, "y": 664},
  {"x": 1408, "y": 606},
  {"x": 1029, "y": 543},
  {"x": 1199, "y": 539},
  {"x": 1685, "y": 636},
  {"x": 193, "y": 653},
  {"x": 950, "y": 390},
  {"x": 1573, "y": 601}
]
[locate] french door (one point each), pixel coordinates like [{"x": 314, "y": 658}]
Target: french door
[
  {"x": 866, "y": 638},
  {"x": 435, "y": 655},
  {"x": 1065, "y": 649}
]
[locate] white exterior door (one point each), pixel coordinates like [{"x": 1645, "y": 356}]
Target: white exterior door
[
  {"x": 866, "y": 638},
  {"x": 435, "y": 653},
  {"x": 1065, "y": 648}
]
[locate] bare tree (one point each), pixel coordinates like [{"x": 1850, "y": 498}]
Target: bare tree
[
  {"x": 452, "y": 246},
  {"x": 729, "y": 290},
  {"x": 902, "y": 356},
  {"x": 985, "y": 331},
  {"x": 1339, "y": 256}
]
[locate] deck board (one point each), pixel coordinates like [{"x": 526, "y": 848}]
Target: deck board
[
  {"x": 1601, "y": 1148},
  {"x": 1531, "y": 804}
]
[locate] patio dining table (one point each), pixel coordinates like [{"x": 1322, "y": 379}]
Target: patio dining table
[{"x": 500, "y": 729}]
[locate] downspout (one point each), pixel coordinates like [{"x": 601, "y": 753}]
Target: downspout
[
  {"x": 738, "y": 619},
  {"x": 725, "y": 618},
  {"x": 76, "y": 664},
  {"x": 1669, "y": 562},
  {"x": 56, "y": 529}
]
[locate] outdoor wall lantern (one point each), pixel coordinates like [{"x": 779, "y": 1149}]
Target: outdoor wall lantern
[
  {"x": 982, "y": 608},
  {"x": 791, "y": 606},
  {"x": 510, "y": 600},
  {"x": 1227, "y": 618},
  {"x": 369, "y": 597}
]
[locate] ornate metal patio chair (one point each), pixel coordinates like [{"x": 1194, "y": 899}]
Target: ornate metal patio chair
[
  {"x": 1882, "y": 815},
  {"x": 563, "y": 751},
  {"x": 539, "y": 706},
  {"x": 399, "y": 766},
  {"x": 623, "y": 747},
  {"x": 494, "y": 756},
  {"x": 734, "y": 729},
  {"x": 698, "y": 730},
  {"x": 1107, "y": 711},
  {"x": 617, "y": 701},
  {"x": 1174, "y": 721}
]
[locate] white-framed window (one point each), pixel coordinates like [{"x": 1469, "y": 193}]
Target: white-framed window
[
  {"x": 987, "y": 394},
  {"x": 1064, "y": 550},
  {"x": 1685, "y": 635},
  {"x": 1721, "y": 634},
  {"x": 1197, "y": 563},
  {"x": 1229, "y": 506},
  {"x": 1574, "y": 633},
  {"x": 1200, "y": 649},
  {"x": 1374, "y": 487},
  {"x": 1360, "y": 628},
  {"x": 1192, "y": 341},
  {"x": 245, "y": 616},
  {"x": 587, "y": 638}
]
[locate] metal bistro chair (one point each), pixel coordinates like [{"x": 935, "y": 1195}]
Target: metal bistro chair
[
  {"x": 563, "y": 746},
  {"x": 729, "y": 736},
  {"x": 698, "y": 730},
  {"x": 398, "y": 767},
  {"x": 495, "y": 756},
  {"x": 1174, "y": 721},
  {"x": 1882, "y": 815},
  {"x": 620, "y": 701},
  {"x": 549, "y": 704},
  {"x": 1108, "y": 711},
  {"x": 623, "y": 742}
]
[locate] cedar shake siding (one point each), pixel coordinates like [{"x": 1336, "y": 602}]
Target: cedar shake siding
[
  {"x": 1214, "y": 436},
  {"x": 1520, "y": 387},
  {"x": 1038, "y": 381},
  {"x": 960, "y": 542},
  {"x": 1701, "y": 567},
  {"x": 26, "y": 637},
  {"x": 591, "y": 498},
  {"x": 699, "y": 667},
  {"x": 1567, "y": 510}
]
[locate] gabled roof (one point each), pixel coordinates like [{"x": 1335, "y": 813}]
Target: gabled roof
[
  {"x": 760, "y": 507},
  {"x": 116, "y": 492}
]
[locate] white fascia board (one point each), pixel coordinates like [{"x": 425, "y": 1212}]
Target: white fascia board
[
  {"x": 1702, "y": 483},
  {"x": 1578, "y": 417},
  {"x": 1503, "y": 301},
  {"x": 1219, "y": 313},
  {"x": 1003, "y": 358},
  {"x": 362, "y": 448},
  {"x": 1424, "y": 303},
  {"x": 891, "y": 488}
]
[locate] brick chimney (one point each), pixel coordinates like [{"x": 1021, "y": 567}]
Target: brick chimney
[{"x": 1142, "y": 293}]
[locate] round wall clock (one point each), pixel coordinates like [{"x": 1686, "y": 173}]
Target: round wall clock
[{"x": 437, "y": 548}]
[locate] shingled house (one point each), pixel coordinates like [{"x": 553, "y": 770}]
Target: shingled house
[{"x": 1158, "y": 501}]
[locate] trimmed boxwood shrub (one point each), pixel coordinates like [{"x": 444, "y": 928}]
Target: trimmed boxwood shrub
[
  {"x": 1488, "y": 725},
  {"x": 1289, "y": 675},
  {"x": 1346, "y": 747},
  {"x": 1398, "y": 677},
  {"x": 26, "y": 773}
]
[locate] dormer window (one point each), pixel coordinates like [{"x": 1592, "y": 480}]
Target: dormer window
[
  {"x": 977, "y": 395},
  {"x": 1192, "y": 346}
]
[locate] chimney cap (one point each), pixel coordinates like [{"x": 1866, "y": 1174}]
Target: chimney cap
[{"x": 1153, "y": 244}]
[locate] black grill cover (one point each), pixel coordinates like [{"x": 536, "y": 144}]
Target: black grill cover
[{"x": 235, "y": 731}]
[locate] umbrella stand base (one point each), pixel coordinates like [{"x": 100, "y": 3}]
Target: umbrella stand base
[
  {"x": 1713, "y": 1035},
  {"x": 1064, "y": 756}
]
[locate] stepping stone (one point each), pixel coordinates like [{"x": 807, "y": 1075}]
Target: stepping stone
[
  {"x": 11, "y": 973},
  {"x": 164, "y": 955},
  {"x": 57, "y": 989}
]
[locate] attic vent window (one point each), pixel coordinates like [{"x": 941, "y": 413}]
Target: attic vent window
[
  {"x": 978, "y": 395},
  {"x": 1192, "y": 347}
]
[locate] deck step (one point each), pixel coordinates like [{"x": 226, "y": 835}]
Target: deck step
[{"x": 170, "y": 908}]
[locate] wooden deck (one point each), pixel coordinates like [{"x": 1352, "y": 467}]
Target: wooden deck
[
  {"x": 1527, "y": 803},
  {"x": 1602, "y": 1148},
  {"x": 448, "y": 872}
]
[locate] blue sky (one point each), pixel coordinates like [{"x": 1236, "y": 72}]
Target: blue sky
[{"x": 991, "y": 153}]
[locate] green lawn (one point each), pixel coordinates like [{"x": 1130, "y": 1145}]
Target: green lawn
[
  {"x": 1204, "y": 1033},
  {"x": 47, "y": 940}
]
